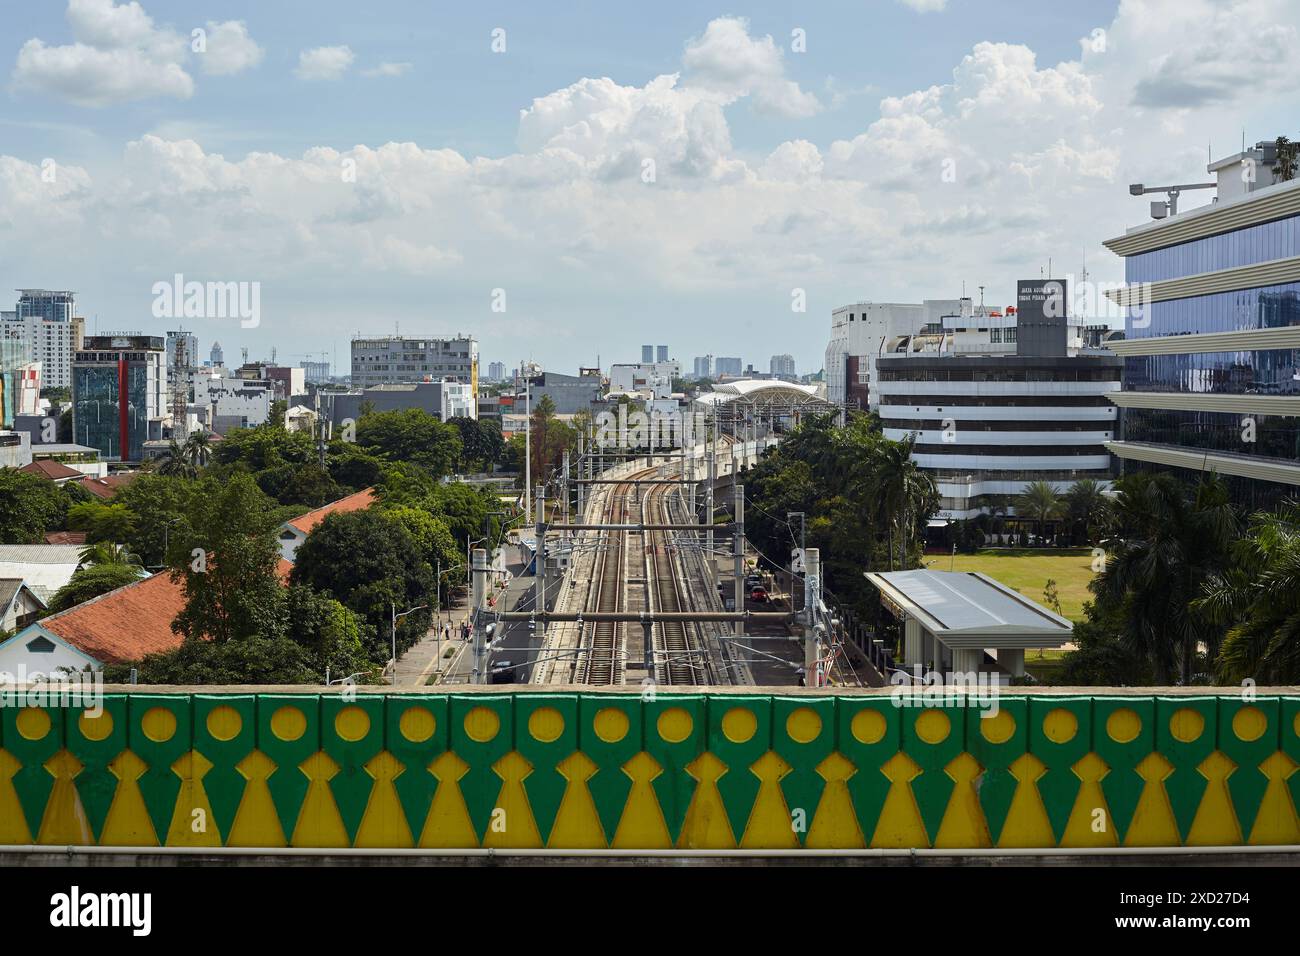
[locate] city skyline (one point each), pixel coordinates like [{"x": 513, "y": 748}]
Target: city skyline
[{"x": 305, "y": 153}]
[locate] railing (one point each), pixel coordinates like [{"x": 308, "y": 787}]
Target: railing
[{"x": 778, "y": 769}]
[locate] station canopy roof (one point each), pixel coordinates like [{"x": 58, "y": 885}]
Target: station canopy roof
[
  {"x": 966, "y": 609},
  {"x": 758, "y": 391}
]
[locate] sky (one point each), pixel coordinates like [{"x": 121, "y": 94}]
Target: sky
[{"x": 568, "y": 182}]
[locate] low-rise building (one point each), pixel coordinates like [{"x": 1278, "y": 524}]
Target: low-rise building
[
  {"x": 44, "y": 567},
  {"x": 294, "y": 531},
  {"x": 19, "y": 604}
]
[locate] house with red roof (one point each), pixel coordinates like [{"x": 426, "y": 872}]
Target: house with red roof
[
  {"x": 294, "y": 532},
  {"x": 109, "y": 485},
  {"x": 123, "y": 625},
  {"x": 54, "y": 471}
]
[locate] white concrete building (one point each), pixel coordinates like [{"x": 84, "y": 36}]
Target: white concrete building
[
  {"x": 235, "y": 402},
  {"x": 863, "y": 331},
  {"x": 458, "y": 401},
  {"x": 656, "y": 378},
  {"x": 990, "y": 415}
]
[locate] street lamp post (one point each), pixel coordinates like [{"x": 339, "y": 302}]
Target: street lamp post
[{"x": 392, "y": 610}]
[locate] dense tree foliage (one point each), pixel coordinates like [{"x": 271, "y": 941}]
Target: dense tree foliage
[
  {"x": 254, "y": 660},
  {"x": 29, "y": 506},
  {"x": 91, "y": 581},
  {"x": 482, "y": 446},
  {"x": 372, "y": 565},
  {"x": 865, "y": 502},
  {"x": 224, "y": 553},
  {"x": 412, "y": 436}
]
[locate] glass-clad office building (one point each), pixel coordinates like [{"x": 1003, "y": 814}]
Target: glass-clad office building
[
  {"x": 1212, "y": 344},
  {"x": 117, "y": 392}
]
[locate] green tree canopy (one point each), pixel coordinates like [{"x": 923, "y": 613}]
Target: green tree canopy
[
  {"x": 91, "y": 581},
  {"x": 225, "y": 554},
  {"x": 370, "y": 563},
  {"x": 413, "y": 436},
  {"x": 29, "y": 506}
]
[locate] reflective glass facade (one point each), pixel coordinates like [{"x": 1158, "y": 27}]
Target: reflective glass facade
[
  {"x": 1274, "y": 436},
  {"x": 1272, "y": 372},
  {"x": 1269, "y": 308},
  {"x": 1279, "y": 239},
  {"x": 97, "y": 414},
  {"x": 1247, "y": 372}
]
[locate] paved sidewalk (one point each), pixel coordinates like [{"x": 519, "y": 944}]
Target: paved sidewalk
[{"x": 417, "y": 666}]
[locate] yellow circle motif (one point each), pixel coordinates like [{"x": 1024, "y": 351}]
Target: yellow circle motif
[
  {"x": 33, "y": 723},
  {"x": 998, "y": 728},
  {"x": 481, "y": 724},
  {"x": 224, "y": 723},
  {"x": 1249, "y": 724},
  {"x": 1060, "y": 726},
  {"x": 352, "y": 723},
  {"x": 158, "y": 724},
  {"x": 739, "y": 725},
  {"x": 1296, "y": 725},
  {"x": 610, "y": 724},
  {"x": 1186, "y": 725},
  {"x": 803, "y": 725},
  {"x": 933, "y": 726},
  {"x": 417, "y": 724},
  {"x": 868, "y": 726},
  {"x": 288, "y": 723},
  {"x": 674, "y": 725},
  {"x": 95, "y": 727},
  {"x": 546, "y": 724},
  {"x": 1123, "y": 726}
]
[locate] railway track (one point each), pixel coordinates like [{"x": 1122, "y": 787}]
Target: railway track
[
  {"x": 678, "y": 657},
  {"x": 605, "y": 660}
]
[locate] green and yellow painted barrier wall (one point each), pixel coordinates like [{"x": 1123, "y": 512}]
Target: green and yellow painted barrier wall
[{"x": 579, "y": 770}]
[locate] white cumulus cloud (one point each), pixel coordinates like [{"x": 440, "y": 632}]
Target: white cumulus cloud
[
  {"x": 728, "y": 62},
  {"x": 230, "y": 49},
  {"x": 324, "y": 63},
  {"x": 120, "y": 54}
]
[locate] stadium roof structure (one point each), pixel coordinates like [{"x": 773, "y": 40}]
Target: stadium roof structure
[{"x": 759, "y": 392}]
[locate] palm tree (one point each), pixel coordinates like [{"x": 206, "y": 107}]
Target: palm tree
[
  {"x": 1041, "y": 501},
  {"x": 904, "y": 492},
  {"x": 1258, "y": 600},
  {"x": 176, "y": 462},
  {"x": 1088, "y": 506},
  {"x": 198, "y": 448},
  {"x": 106, "y": 552},
  {"x": 1171, "y": 545}
]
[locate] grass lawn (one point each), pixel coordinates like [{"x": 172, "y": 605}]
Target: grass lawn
[{"x": 1028, "y": 570}]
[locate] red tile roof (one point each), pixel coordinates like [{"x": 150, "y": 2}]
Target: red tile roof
[
  {"x": 53, "y": 470},
  {"x": 65, "y": 537},
  {"x": 107, "y": 487},
  {"x": 123, "y": 625},
  {"x": 131, "y": 622},
  {"x": 358, "y": 502}
]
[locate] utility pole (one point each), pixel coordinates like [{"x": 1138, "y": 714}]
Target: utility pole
[
  {"x": 812, "y": 584},
  {"x": 708, "y": 513},
  {"x": 738, "y": 550},
  {"x": 478, "y": 588},
  {"x": 528, "y": 442},
  {"x": 539, "y": 579},
  {"x": 567, "y": 487},
  {"x": 582, "y": 470}
]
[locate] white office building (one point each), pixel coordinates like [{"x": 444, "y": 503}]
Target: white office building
[
  {"x": 401, "y": 360},
  {"x": 996, "y": 402}
]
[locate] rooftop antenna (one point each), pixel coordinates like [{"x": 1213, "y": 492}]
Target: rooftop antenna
[{"x": 981, "y": 300}]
